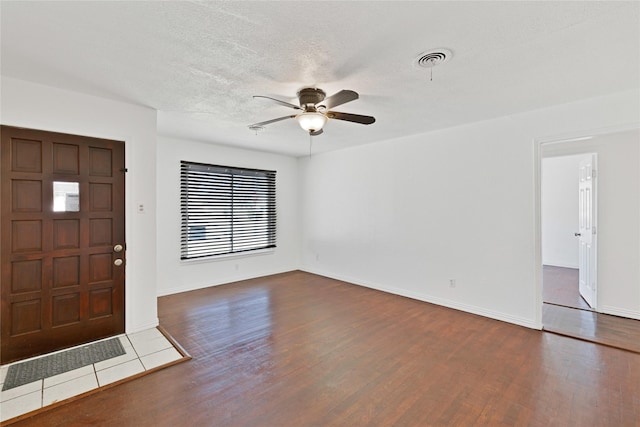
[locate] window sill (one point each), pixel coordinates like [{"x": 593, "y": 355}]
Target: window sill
[{"x": 227, "y": 257}]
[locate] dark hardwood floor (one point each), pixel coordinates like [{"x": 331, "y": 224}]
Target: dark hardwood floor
[
  {"x": 591, "y": 326},
  {"x": 565, "y": 312},
  {"x": 560, "y": 287},
  {"x": 298, "y": 349}
]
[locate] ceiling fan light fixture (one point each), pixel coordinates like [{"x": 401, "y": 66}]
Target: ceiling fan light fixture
[{"x": 311, "y": 121}]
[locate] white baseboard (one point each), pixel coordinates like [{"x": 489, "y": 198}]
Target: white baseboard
[
  {"x": 619, "y": 312},
  {"x": 521, "y": 321},
  {"x": 143, "y": 327},
  {"x": 559, "y": 264}
]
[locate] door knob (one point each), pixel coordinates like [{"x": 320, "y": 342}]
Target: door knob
[
  {"x": 117, "y": 262},
  {"x": 577, "y": 234},
  {"x": 118, "y": 248}
]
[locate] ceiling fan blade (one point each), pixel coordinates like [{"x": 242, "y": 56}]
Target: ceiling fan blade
[
  {"x": 316, "y": 133},
  {"x": 339, "y": 98},
  {"x": 356, "y": 118},
  {"x": 272, "y": 121},
  {"x": 286, "y": 104}
]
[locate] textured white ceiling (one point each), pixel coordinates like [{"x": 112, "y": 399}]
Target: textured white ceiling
[{"x": 199, "y": 63}]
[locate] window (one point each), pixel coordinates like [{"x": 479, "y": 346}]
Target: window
[{"x": 226, "y": 210}]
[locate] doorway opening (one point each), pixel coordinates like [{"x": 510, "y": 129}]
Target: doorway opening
[
  {"x": 568, "y": 217},
  {"x": 611, "y": 315}
]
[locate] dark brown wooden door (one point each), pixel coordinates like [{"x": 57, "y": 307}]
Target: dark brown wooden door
[{"x": 61, "y": 285}]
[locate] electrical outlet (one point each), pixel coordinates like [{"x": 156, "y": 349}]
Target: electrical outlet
[{"x": 452, "y": 283}]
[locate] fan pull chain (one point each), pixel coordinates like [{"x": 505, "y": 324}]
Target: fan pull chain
[
  {"x": 310, "y": 144},
  {"x": 431, "y": 68}
]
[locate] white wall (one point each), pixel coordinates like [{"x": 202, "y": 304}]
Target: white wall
[
  {"x": 175, "y": 275},
  {"x": 407, "y": 215},
  {"x": 560, "y": 211},
  {"x": 618, "y": 217},
  {"x": 35, "y": 106}
]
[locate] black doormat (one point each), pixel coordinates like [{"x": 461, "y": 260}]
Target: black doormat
[{"x": 64, "y": 361}]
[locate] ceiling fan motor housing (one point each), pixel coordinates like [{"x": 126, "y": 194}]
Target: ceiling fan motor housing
[{"x": 311, "y": 96}]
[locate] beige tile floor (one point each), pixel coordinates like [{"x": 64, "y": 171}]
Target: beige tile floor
[{"x": 144, "y": 350}]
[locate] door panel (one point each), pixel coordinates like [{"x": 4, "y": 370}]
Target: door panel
[
  {"x": 587, "y": 234},
  {"x": 60, "y": 286}
]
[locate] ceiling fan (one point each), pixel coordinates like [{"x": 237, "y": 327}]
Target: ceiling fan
[{"x": 315, "y": 110}]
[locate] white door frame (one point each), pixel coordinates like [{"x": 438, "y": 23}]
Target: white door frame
[{"x": 537, "y": 148}]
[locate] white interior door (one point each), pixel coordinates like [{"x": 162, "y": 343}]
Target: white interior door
[{"x": 587, "y": 228}]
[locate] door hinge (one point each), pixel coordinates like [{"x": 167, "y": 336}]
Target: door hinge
[
  {"x": 125, "y": 170},
  {"x": 593, "y": 173},
  {"x": 593, "y": 229}
]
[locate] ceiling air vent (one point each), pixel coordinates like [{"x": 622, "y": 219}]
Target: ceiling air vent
[{"x": 433, "y": 57}]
